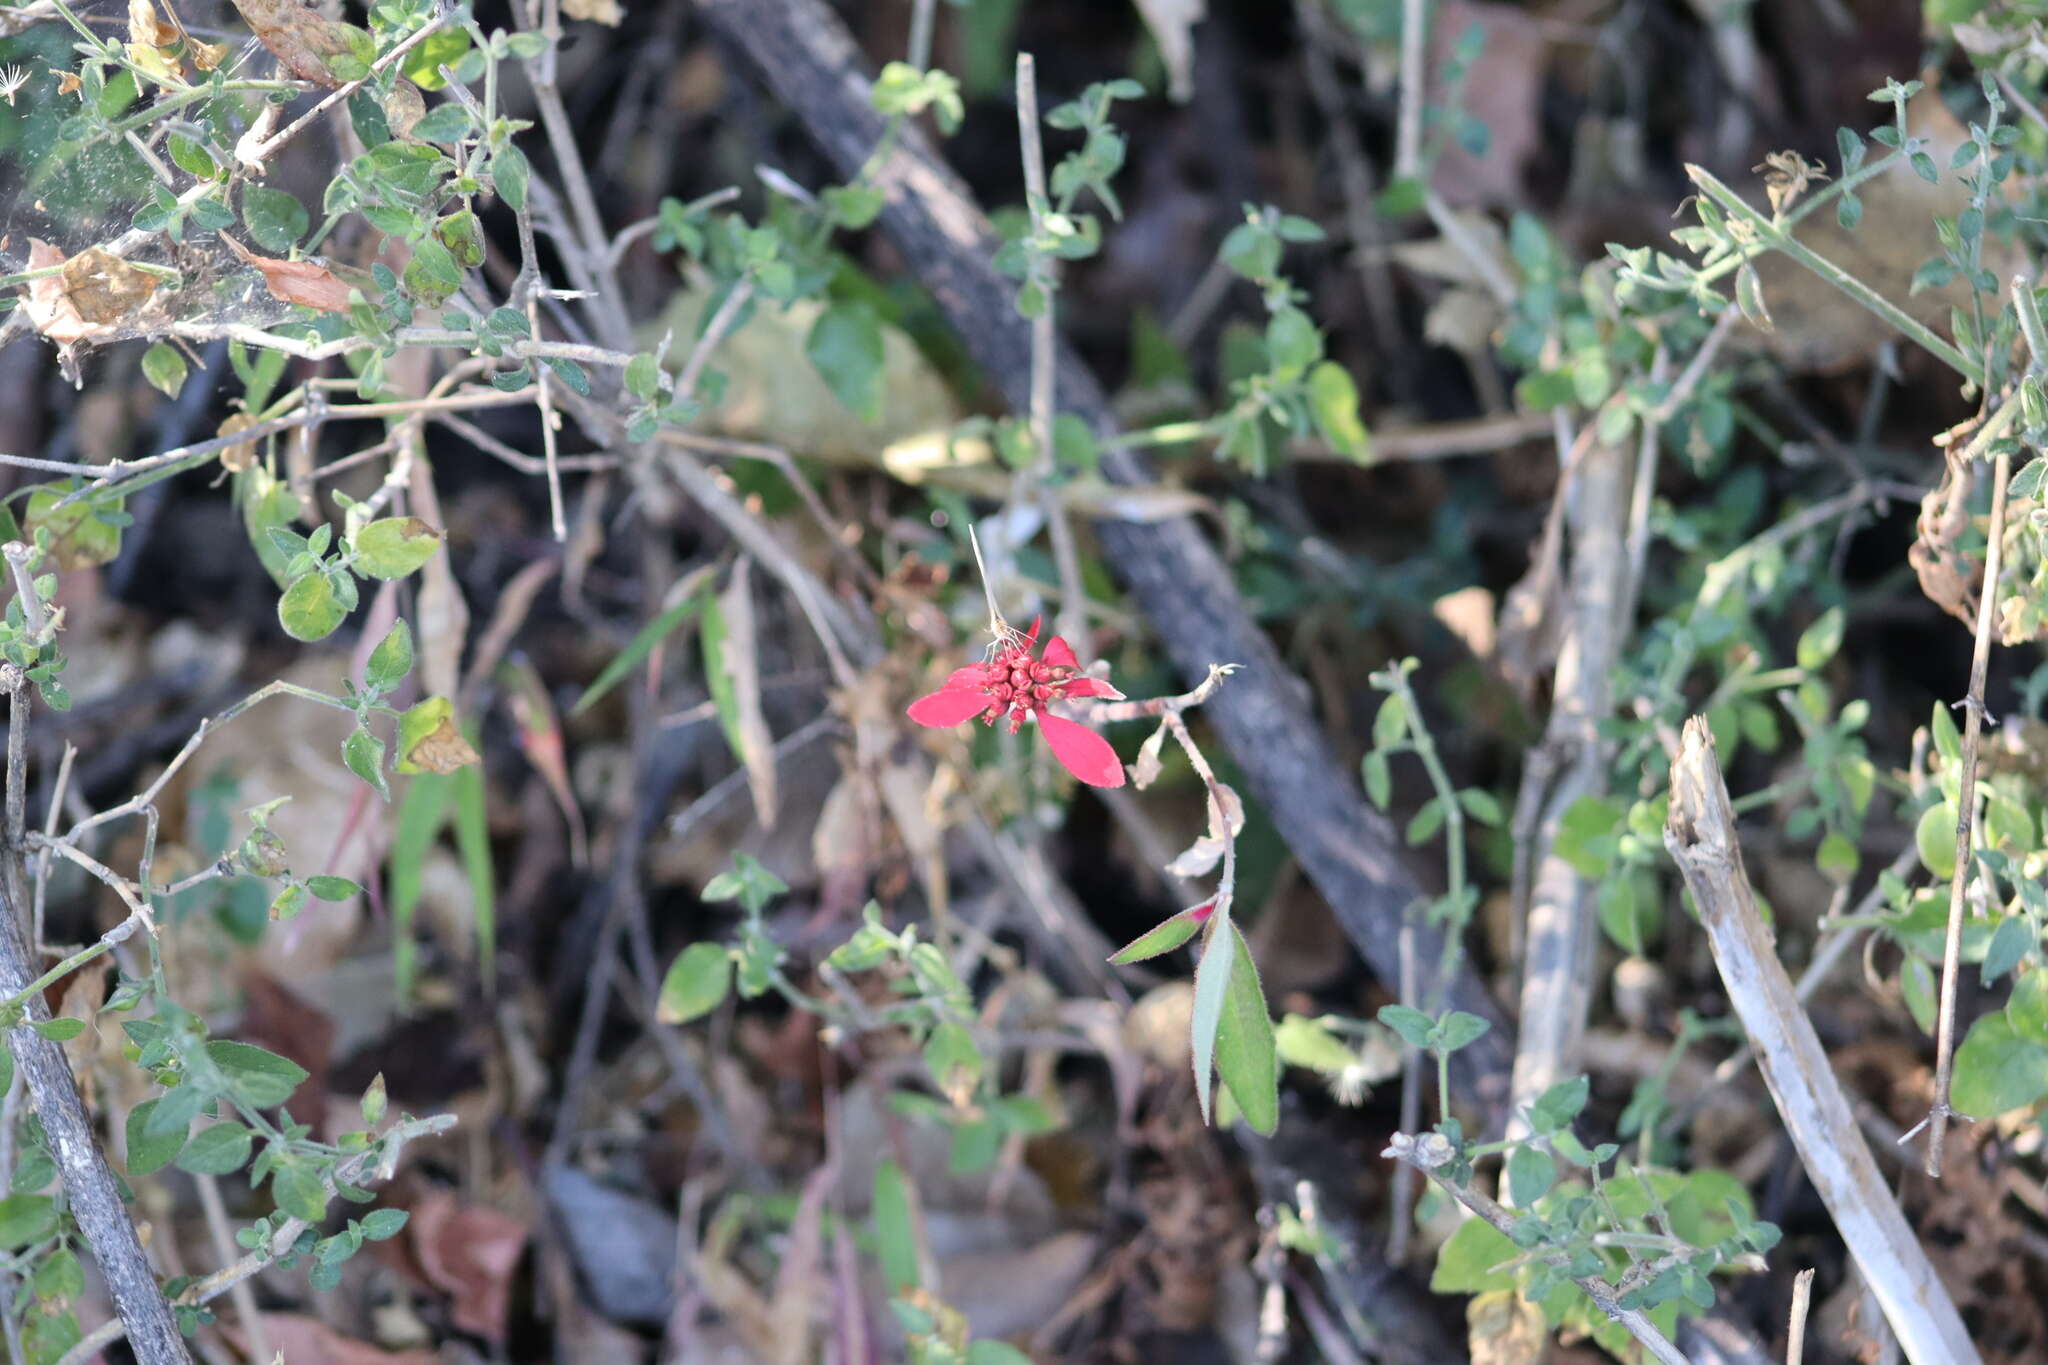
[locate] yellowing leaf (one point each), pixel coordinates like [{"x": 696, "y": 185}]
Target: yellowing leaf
[{"x": 428, "y": 740}]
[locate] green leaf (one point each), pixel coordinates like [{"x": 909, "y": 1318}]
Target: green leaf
[
  {"x": 1459, "y": 1029},
  {"x": 643, "y": 377},
  {"x": 696, "y": 983},
  {"x": 1412, "y": 1024},
  {"x": 431, "y": 277},
  {"x": 1917, "y": 985},
  {"x": 1997, "y": 1070},
  {"x": 309, "y": 610},
  {"x": 1586, "y": 834},
  {"x": 1212, "y": 993},
  {"x": 298, "y": 1190},
  {"x": 1531, "y": 1173},
  {"x": 1292, "y": 344},
  {"x": 1749, "y": 297},
  {"x": 2027, "y": 1009},
  {"x": 1820, "y": 641},
  {"x": 363, "y": 753},
  {"x": 639, "y": 647},
  {"x": 391, "y": 660},
  {"x": 421, "y": 815},
  {"x": 332, "y": 888},
  {"x": 1935, "y": 837},
  {"x": 191, "y": 158},
  {"x": 1426, "y": 823},
  {"x": 1378, "y": 779},
  {"x": 1163, "y": 937},
  {"x": 1556, "y": 1107},
  {"x": 895, "y": 1228},
  {"x": 1469, "y": 1260},
  {"x": 1309, "y": 1043},
  {"x": 2014, "y": 938},
  {"x": 164, "y": 368},
  {"x": 258, "y": 1078},
  {"x": 1481, "y": 805},
  {"x": 510, "y": 173},
  {"x": 953, "y": 1060},
  {"x": 218, "y": 1150},
  {"x": 473, "y": 843},
  {"x": 1390, "y": 725},
  {"x": 1333, "y": 403},
  {"x": 845, "y": 345},
  {"x": 1247, "y": 1057},
  {"x": 393, "y": 547},
  {"x": 276, "y": 220},
  {"x": 61, "y": 1030},
  {"x": 381, "y": 1225},
  {"x": 288, "y": 903},
  {"x": 422, "y": 65},
  {"x": 444, "y": 123},
  {"x": 26, "y": 1218},
  {"x": 150, "y": 1151}
]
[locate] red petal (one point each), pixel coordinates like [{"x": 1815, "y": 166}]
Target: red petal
[
  {"x": 948, "y": 706},
  {"x": 974, "y": 675},
  {"x": 1060, "y": 654},
  {"x": 1092, "y": 687},
  {"x": 1082, "y": 752},
  {"x": 1031, "y": 635}
]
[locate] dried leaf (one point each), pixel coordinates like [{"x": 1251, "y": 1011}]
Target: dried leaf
[
  {"x": 469, "y": 1252},
  {"x": 1207, "y": 851},
  {"x": 748, "y": 727},
  {"x": 300, "y": 39},
  {"x": 304, "y": 1340},
  {"x": 1172, "y": 23},
  {"x": 302, "y": 282},
  {"x": 598, "y": 11},
  {"x": 103, "y": 287},
  {"x": 237, "y": 458}
]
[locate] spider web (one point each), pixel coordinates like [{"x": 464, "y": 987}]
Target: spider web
[{"x": 63, "y": 184}]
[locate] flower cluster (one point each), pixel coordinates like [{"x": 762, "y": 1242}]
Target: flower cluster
[{"x": 1012, "y": 682}]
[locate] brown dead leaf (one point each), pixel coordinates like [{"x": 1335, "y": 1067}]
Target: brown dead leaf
[
  {"x": 469, "y": 1252},
  {"x": 300, "y": 39},
  {"x": 443, "y": 750},
  {"x": 302, "y": 282},
  {"x": 103, "y": 287},
  {"x": 237, "y": 458},
  {"x": 50, "y": 307}
]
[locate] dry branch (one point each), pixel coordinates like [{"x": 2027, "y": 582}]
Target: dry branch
[{"x": 1701, "y": 837}]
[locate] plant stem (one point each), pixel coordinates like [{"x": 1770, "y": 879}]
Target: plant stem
[{"x": 1773, "y": 236}]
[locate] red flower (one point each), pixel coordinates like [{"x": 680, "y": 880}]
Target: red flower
[{"x": 1014, "y": 682}]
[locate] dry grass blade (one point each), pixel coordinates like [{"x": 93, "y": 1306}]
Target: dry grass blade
[
  {"x": 742, "y": 663},
  {"x": 1701, "y": 837}
]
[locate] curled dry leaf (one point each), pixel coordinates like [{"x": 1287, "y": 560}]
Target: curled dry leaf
[
  {"x": 1203, "y": 855},
  {"x": 469, "y": 1252},
  {"x": 306, "y": 283},
  {"x": 95, "y": 290},
  {"x": 442, "y": 749},
  {"x": 237, "y": 458}
]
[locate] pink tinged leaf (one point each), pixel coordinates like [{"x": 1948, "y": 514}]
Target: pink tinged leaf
[
  {"x": 1081, "y": 751},
  {"x": 1093, "y": 687},
  {"x": 1060, "y": 654},
  {"x": 949, "y": 706}
]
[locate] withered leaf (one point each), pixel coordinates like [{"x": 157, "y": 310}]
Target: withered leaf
[
  {"x": 103, "y": 287},
  {"x": 303, "y": 282},
  {"x": 301, "y": 40},
  {"x": 443, "y": 749}
]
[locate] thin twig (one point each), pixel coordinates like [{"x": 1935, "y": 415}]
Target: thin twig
[
  {"x": 1795, "y": 1337},
  {"x": 262, "y": 151},
  {"x": 1408, "y": 127}
]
